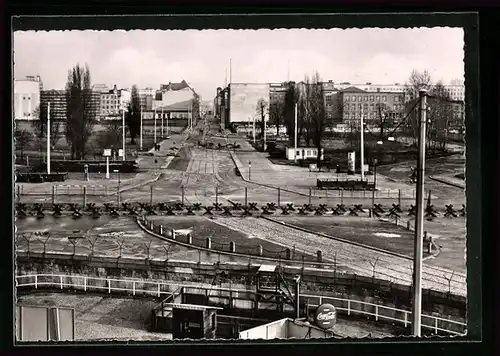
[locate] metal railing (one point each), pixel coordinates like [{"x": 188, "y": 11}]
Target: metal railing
[{"x": 159, "y": 288}]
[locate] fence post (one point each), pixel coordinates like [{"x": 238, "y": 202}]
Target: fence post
[
  {"x": 109, "y": 286},
  {"x": 320, "y": 300},
  {"x": 435, "y": 325},
  {"x": 342, "y": 196},
  {"x": 376, "y": 312},
  {"x": 189, "y": 239},
  {"x": 84, "y": 196},
  {"x": 232, "y": 246},
  {"x": 246, "y": 196},
  {"x": 406, "y": 318},
  {"x": 279, "y": 196},
  {"x": 133, "y": 287},
  {"x": 159, "y": 293},
  {"x": 53, "y": 194},
  {"x": 172, "y": 233},
  {"x": 161, "y": 230},
  {"x": 182, "y": 195},
  {"x": 36, "y": 282},
  {"x": 209, "y": 243},
  {"x": 61, "y": 281},
  {"x": 151, "y": 194},
  {"x": 118, "y": 196},
  {"x": 84, "y": 284},
  {"x": 348, "y": 307},
  {"x": 399, "y": 197},
  {"x": 310, "y": 193}
]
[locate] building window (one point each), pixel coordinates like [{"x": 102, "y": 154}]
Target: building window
[
  {"x": 315, "y": 152},
  {"x": 365, "y": 107},
  {"x": 396, "y": 99},
  {"x": 377, "y": 98},
  {"x": 372, "y": 106},
  {"x": 347, "y": 106},
  {"x": 372, "y": 97},
  {"x": 360, "y": 107},
  {"x": 371, "y": 115},
  {"x": 384, "y": 98},
  {"x": 366, "y": 98},
  {"x": 353, "y": 98},
  {"x": 297, "y": 154},
  {"x": 308, "y": 153},
  {"x": 359, "y": 97}
]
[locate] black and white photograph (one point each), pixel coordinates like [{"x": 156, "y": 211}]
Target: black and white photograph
[{"x": 239, "y": 184}]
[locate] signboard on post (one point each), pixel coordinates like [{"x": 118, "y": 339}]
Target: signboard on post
[
  {"x": 326, "y": 316},
  {"x": 351, "y": 162},
  {"x": 107, "y": 152}
]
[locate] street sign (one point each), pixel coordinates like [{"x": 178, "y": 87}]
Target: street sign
[
  {"x": 326, "y": 316},
  {"x": 120, "y": 152},
  {"x": 107, "y": 152}
]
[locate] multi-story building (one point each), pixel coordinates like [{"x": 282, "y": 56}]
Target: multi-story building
[
  {"x": 356, "y": 102},
  {"x": 58, "y": 103},
  {"x": 112, "y": 101},
  {"x": 26, "y": 97},
  {"x": 146, "y": 96}
]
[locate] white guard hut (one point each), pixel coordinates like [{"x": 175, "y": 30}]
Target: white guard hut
[{"x": 303, "y": 153}]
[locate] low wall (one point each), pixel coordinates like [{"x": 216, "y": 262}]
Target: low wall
[{"x": 314, "y": 281}]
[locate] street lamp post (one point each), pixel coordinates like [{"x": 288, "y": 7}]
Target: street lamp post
[
  {"x": 140, "y": 138},
  {"x": 253, "y": 130},
  {"x": 375, "y": 162},
  {"x": 123, "y": 133},
  {"x": 419, "y": 221},
  {"x": 162, "y": 122},
  {"x": 362, "y": 147},
  {"x": 295, "y": 136},
  {"x": 48, "y": 138}
]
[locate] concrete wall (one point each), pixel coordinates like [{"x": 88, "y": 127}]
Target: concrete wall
[
  {"x": 244, "y": 99},
  {"x": 314, "y": 281}
]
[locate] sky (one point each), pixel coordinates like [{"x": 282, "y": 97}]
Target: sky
[{"x": 202, "y": 58}]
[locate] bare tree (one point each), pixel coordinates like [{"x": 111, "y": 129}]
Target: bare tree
[
  {"x": 439, "y": 115},
  {"x": 291, "y": 98},
  {"x": 23, "y": 139},
  {"x": 276, "y": 114},
  {"x": 416, "y": 81},
  {"x": 133, "y": 115},
  {"x": 261, "y": 111},
  {"x": 81, "y": 111},
  {"x": 40, "y": 126},
  {"x": 317, "y": 113}
]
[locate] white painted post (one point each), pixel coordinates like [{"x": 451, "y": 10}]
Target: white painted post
[
  {"x": 406, "y": 318},
  {"x": 36, "y": 282},
  {"x": 159, "y": 293},
  {"x": 320, "y": 300},
  {"x": 109, "y": 286},
  {"x": 107, "y": 167},
  {"x": 376, "y": 312},
  {"x": 61, "y": 281},
  {"x": 84, "y": 284},
  {"x": 133, "y": 288},
  {"x": 48, "y": 138},
  {"x": 348, "y": 307},
  {"x": 435, "y": 326},
  {"x": 161, "y": 229}
]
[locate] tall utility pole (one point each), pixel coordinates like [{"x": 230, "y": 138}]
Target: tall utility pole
[
  {"x": 162, "y": 122},
  {"x": 48, "y": 138},
  {"x": 168, "y": 114},
  {"x": 253, "y": 127},
  {"x": 123, "y": 132},
  {"x": 154, "y": 113},
  {"x": 419, "y": 221},
  {"x": 295, "y": 136},
  {"x": 265, "y": 136},
  {"x": 140, "y": 137},
  {"x": 362, "y": 147},
  {"x": 230, "y": 70}
]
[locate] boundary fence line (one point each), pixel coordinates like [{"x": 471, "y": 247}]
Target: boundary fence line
[{"x": 159, "y": 288}]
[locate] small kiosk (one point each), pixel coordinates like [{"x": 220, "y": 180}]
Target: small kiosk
[{"x": 190, "y": 321}]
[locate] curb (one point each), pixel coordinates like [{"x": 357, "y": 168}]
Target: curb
[
  {"x": 234, "y": 254},
  {"x": 447, "y": 183},
  {"x": 338, "y": 239}
]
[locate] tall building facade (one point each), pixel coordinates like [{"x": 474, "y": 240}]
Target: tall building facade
[
  {"x": 27, "y": 97},
  {"x": 111, "y": 101},
  {"x": 58, "y": 104}
]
